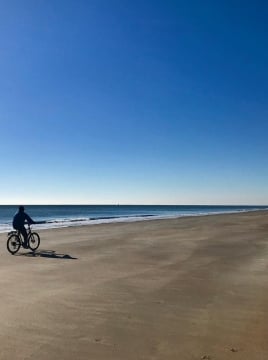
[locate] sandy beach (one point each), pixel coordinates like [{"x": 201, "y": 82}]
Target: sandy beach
[{"x": 187, "y": 288}]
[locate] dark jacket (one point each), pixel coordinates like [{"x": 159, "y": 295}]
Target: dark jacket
[{"x": 20, "y": 218}]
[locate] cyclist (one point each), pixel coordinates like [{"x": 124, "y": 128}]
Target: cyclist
[{"x": 19, "y": 219}]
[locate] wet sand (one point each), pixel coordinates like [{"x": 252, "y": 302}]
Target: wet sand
[{"x": 189, "y": 288}]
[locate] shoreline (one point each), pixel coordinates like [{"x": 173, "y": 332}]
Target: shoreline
[
  {"x": 185, "y": 288},
  {"x": 124, "y": 219}
]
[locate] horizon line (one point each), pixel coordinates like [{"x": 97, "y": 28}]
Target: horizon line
[{"x": 126, "y": 204}]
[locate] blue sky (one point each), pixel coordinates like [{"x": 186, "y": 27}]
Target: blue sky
[{"x": 133, "y": 102}]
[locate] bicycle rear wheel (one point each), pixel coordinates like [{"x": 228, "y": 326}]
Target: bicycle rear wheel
[
  {"x": 33, "y": 241},
  {"x": 13, "y": 244}
]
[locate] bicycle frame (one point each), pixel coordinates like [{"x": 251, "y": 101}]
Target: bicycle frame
[{"x": 18, "y": 233}]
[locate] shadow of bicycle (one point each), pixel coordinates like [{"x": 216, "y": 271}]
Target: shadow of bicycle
[{"x": 51, "y": 254}]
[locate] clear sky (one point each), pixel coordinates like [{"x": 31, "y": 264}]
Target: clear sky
[{"x": 133, "y": 102}]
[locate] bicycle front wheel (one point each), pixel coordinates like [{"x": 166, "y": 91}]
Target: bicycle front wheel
[
  {"x": 33, "y": 241},
  {"x": 13, "y": 244}
]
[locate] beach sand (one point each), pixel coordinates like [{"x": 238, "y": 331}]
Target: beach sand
[{"x": 188, "y": 288}]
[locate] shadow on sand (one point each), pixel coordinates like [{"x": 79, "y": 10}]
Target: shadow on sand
[{"x": 48, "y": 254}]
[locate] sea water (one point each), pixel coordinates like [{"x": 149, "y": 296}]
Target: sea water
[{"x": 74, "y": 215}]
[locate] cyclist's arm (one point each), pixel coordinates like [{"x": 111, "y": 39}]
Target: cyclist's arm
[{"x": 29, "y": 220}]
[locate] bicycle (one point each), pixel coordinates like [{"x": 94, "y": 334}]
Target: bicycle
[{"x": 15, "y": 241}]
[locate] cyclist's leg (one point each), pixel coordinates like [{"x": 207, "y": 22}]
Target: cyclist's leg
[{"x": 23, "y": 232}]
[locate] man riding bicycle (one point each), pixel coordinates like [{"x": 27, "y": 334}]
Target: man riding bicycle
[{"x": 20, "y": 218}]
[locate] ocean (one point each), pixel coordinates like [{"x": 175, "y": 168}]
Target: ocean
[{"x": 73, "y": 215}]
